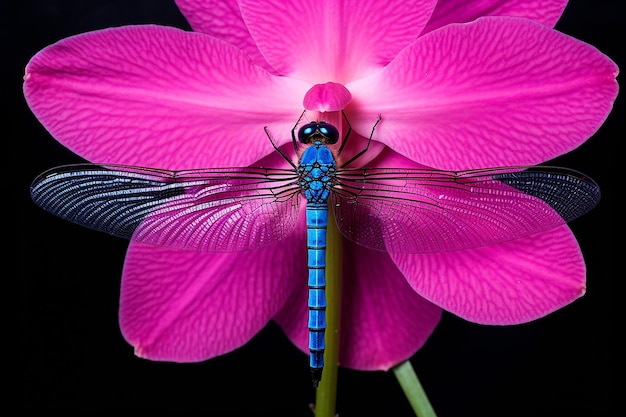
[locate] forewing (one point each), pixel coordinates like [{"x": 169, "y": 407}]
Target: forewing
[
  {"x": 425, "y": 211},
  {"x": 215, "y": 210}
]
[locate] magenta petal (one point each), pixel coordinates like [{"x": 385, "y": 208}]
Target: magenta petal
[
  {"x": 161, "y": 97},
  {"x": 499, "y": 91},
  {"x": 191, "y": 306},
  {"x": 222, "y": 19},
  {"x": 327, "y": 97},
  {"x": 383, "y": 321},
  {"x": 510, "y": 283},
  {"x": 333, "y": 40},
  {"x": 546, "y": 12}
]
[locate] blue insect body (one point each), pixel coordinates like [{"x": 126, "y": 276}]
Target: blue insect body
[
  {"x": 317, "y": 167},
  {"x": 396, "y": 210}
]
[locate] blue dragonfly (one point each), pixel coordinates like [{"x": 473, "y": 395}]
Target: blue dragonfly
[{"x": 396, "y": 210}]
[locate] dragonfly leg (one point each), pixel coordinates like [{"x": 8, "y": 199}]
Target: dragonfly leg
[
  {"x": 345, "y": 138},
  {"x": 358, "y": 155},
  {"x": 293, "y": 132},
  {"x": 267, "y": 132}
]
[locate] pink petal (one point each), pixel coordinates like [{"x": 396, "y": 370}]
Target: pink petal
[
  {"x": 511, "y": 283},
  {"x": 327, "y": 97},
  {"x": 333, "y": 41},
  {"x": 160, "y": 97},
  {"x": 191, "y": 306},
  {"x": 383, "y": 321},
  {"x": 222, "y": 19},
  {"x": 461, "y": 11},
  {"x": 499, "y": 91}
]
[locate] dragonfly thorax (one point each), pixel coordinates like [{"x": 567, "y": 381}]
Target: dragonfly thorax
[{"x": 317, "y": 171}]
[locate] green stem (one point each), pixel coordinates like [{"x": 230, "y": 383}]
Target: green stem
[
  {"x": 326, "y": 395},
  {"x": 413, "y": 390}
]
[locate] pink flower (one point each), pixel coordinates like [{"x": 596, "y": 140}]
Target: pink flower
[{"x": 459, "y": 85}]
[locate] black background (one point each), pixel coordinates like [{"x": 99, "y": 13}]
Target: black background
[{"x": 69, "y": 354}]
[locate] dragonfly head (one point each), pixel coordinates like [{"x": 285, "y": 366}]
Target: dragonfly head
[{"x": 318, "y": 131}]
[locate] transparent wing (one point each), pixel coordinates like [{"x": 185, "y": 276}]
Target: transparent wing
[
  {"x": 424, "y": 211},
  {"x": 217, "y": 210}
]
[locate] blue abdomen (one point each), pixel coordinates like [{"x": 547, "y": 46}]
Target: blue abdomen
[{"x": 317, "y": 222}]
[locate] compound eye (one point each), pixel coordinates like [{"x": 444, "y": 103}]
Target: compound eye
[
  {"x": 318, "y": 131},
  {"x": 330, "y": 132},
  {"x": 306, "y": 131}
]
